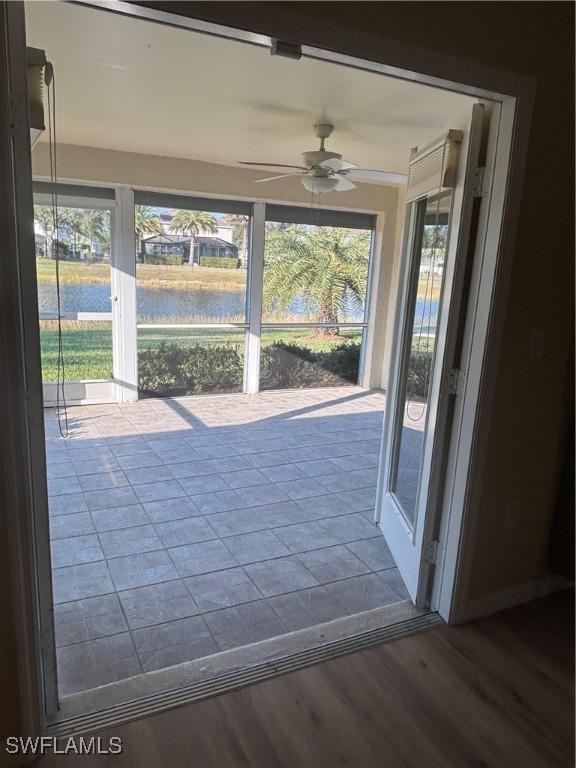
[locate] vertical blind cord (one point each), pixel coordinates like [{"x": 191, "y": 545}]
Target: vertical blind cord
[{"x": 61, "y": 407}]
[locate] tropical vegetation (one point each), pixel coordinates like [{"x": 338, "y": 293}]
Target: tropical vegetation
[
  {"x": 173, "y": 369},
  {"x": 80, "y": 230},
  {"x": 239, "y": 224},
  {"x": 191, "y": 223},
  {"x": 146, "y": 222},
  {"x": 326, "y": 265}
]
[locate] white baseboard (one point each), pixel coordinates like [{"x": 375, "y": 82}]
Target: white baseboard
[
  {"x": 508, "y": 598},
  {"x": 80, "y": 392}
]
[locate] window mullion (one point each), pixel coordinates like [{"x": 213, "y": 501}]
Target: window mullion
[
  {"x": 255, "y": 288},
  {"x": 125, "y": 360}
]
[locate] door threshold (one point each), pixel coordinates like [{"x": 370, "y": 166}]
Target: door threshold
[{"x": 153, "y": 692}]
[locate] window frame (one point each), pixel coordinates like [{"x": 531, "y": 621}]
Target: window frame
[
  {"x": 322, "y": 217},
  {"x": 83, "y": 391}
]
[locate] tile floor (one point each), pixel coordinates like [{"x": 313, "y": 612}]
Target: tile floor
[{"x": 181, "y": 528}]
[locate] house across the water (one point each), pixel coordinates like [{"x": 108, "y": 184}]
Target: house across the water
[{"x": 209, "y": 250}]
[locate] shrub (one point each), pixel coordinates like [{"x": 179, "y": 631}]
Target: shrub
[
  {"x": 159, "y": 370},
  {"x": 213, "y": 369},
  {"x": 291, "y": 366},
  {"x": 171, "y": 369},
  {"x": 419, "y": 372},
  {"x": 174, "y": 370},
  {"x": 224, "y": 262},
  {"x": 169, "y": 259}
]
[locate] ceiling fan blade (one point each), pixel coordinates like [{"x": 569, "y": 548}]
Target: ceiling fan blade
[
  {"x": 367, "y": 174},
  {"x": 273, "y": 178},
  {"x": 336, "y": 164},
  {"x": 273, "y": 165},
  {"x": 343, "y": 184}
]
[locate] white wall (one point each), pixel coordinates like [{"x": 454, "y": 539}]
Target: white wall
[
  {"x": 385, "y": 270},
  {"x": 107, "y": 166}
]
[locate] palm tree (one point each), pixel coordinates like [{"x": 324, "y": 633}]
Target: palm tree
[
  {"x": 239, "y": 224},
  {"x": 146, "y": 222},
  {"x": 328, "y": 265},
  {"x": 192, "y": 223}
]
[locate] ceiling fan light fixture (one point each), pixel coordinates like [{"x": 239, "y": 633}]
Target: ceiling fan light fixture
[
  {"x": 320, "y": 184},
  {"x": 323, "y": 171}
]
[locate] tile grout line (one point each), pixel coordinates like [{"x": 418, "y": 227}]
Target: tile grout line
[
  {"x": 261, "y": 599},
  {"x": 306, "y": 426},
  {"x": 218, "y": 538}
]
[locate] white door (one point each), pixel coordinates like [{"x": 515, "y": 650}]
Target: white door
[{"x": 441, "y": 192}]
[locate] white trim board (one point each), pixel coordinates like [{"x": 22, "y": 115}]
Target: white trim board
[
  {"x": 80, "y": 393},
  {"x": 332, "y": 41},
  {"x": 513, "y": 596}
]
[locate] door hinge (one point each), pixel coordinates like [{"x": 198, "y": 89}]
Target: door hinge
[
  {"x": 455, "y": 381},
  {"x": 431, "y": 552},
  {"x": 480, "y": 182}
]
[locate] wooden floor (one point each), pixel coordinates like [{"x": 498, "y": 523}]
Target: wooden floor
[{"x": 495, "y": 693}]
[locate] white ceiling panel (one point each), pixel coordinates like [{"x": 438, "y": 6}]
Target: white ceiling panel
[{"x": 133, "y": 85}]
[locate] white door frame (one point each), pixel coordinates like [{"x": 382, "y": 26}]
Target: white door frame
[
  {"x": 410, "y": 544},
  {"x": 467, "y": 454},
  {"x": 26, "y": 515},
  {"x": 487, "y": 307}
]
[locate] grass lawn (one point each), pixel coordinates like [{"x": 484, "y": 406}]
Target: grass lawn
[
  {"x": 148, "y": 275},
  {"x": 87, "y": 353},
  {"x": 431, "y": 290},
  {"x": 88, "y": 346}
]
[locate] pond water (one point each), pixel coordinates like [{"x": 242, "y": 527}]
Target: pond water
[
  {"x": 158, "y": 303},
  {"x": 425, "y": 316}
]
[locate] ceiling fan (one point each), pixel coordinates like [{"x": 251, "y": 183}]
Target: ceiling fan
[{"x": 325, "y": 171}]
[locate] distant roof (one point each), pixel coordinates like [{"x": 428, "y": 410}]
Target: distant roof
[
  {"x": 215, "y": 241},
  {"x": 166, "y": 239}
]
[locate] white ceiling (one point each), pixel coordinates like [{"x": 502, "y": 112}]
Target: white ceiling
[{"x": 136, "y": 86}]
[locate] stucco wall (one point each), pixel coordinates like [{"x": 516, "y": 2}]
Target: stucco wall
[{"x": 108, "y": 166}]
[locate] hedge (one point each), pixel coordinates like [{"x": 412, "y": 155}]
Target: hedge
[
  {"x": 291, "y": 366},
  {"x": 226, "y": 262},
  {"x": 170, "y": 259},
  {"x": 419, "y": 373},
  {"x": 171, "y": 369},
  {"x": 174, "y": 370}
]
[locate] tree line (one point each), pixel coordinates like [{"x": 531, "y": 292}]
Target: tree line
[{"x": 79, "y": 229}]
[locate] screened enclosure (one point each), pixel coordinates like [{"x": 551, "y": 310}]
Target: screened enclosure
[
  {"x": 74, "y": 240},
  {"x": 170, "y": 295},
  {"x": 316, "y": 267}
]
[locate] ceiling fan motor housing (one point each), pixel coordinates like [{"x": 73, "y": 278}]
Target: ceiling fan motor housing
[
  {"x": 317, "y": 156},
  {"x": 323, "y": 130}
]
